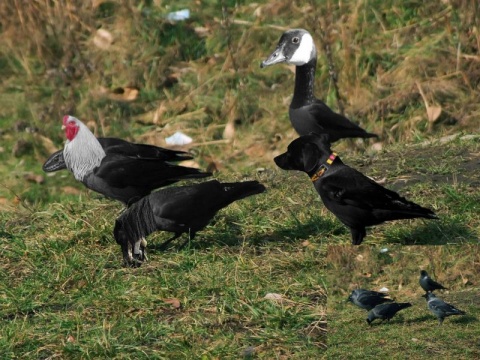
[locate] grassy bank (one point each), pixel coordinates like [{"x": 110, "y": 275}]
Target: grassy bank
[
  {"x": 253, "y": 284},
  {"x": 413, "y": 332}
]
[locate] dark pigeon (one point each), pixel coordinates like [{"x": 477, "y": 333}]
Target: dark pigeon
[
  {"x": 428, "y": 284},
  {"x": 385, "y": 311},
  {"x": 368, "y": 299}
]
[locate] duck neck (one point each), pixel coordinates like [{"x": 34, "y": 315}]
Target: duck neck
[{"x": 304, "y": 84}]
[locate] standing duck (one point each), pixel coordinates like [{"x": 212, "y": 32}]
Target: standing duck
[{"x": 307, "y": 113}]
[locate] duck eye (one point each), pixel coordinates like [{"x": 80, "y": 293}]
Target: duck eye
[{"x": 295, "y": 40}]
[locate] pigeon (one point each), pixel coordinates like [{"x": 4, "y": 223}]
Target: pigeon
[
  {"x": 385, "y": 311},
  {"x": 428, "y": 284},
  {"x": 307, "y": 113},
  {"x": 185, "y": 209},
  {"x": 356, "y": 200},
  {"x": 116, "y": 175},
  {"x": 368, "y": 299},
  {"x": 440, "y": 308}
]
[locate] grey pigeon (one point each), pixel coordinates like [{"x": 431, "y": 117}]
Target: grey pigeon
[
  {"x": 440, "y": 308},
  {"x": 428, "y": 284},
  {"x": 368, "y": 299},
  {"x": 385, "y": 311}
]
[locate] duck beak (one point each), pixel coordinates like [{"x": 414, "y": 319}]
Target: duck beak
[{"x": 275, "y": 58}]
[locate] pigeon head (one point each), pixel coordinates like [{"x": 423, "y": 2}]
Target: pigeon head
[
  {"x": 71, "y": 126},
  {"x": 370, "y": 318},
  {"x": 423, "y": 273},
  {"x": 295, "y": 47}
]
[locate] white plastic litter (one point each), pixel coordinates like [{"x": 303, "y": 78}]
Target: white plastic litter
[
  {"x": 383, "y": 289},
  {"x": 384, "y": 250},
  {"x": 179, "y": 15},
  {"x": 178, "y": 138}
]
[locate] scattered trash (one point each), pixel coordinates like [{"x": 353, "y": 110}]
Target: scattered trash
[
  {"x": 178, "y": 138},
  {"x": 383, "y": 251},
  {"x": 179, "y": 15},
  {"x": 383, "y": 289}
]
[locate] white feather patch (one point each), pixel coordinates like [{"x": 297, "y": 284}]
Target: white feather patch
[
  {"x": 305, "y": 51},
  {"x": 83, "y": 153}
]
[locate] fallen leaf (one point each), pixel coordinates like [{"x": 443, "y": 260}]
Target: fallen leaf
[
  {"x": 70, "y": 339},
  {"x": 47, "y": 143},
  {"x": 229, "y": 131},
  {"x": 202, "y": 31},
  {"x": 433, "y": 113},
  {"x": 127, "y": 93},
  {"x": 273, "y": 296},
  {"x": 378, "y": 146},
  {"x": 175, "y": 303},
  {"x": 70, "y": 190},
  {"x": 190, "y": 164},
  {"x": 103, "y": 39},
  {"x": 381, "y": 181},
  {"x": 255, "y": 150},
  {"x": 214, "y": 166},
  {"x": 31, "y": 177},
  {"x": 121, "y": 94},
  {"x": 92, "y": 125}
]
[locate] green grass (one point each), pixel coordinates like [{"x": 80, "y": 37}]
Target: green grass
[
  {"x": 66, "y": 293},
  {"x": 63, "y": 291},
  {"x": 414, "y": 332}
]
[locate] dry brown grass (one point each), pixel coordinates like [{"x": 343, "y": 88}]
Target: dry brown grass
[{"x": 200, "y": 75}]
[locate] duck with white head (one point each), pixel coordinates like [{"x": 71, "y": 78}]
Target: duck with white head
[{"x": 307, "y": 113}]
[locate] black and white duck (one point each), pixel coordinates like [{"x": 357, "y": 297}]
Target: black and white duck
[{"x": 307, "y": 113}]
